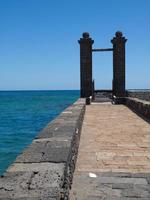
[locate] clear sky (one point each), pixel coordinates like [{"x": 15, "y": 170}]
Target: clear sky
[{"x": 39, "y": 48}]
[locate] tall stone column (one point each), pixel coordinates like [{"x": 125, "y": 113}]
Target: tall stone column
[
  {"x": 86, "y": 65},
  {"x": 119, "y": 65}
]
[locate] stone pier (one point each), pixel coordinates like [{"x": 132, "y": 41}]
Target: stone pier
[{"x": 114, "y": 155}]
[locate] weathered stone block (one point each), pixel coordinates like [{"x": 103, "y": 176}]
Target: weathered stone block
[
  {"x": 42, "y": 180},
  {"x": 46, "y": 151}
]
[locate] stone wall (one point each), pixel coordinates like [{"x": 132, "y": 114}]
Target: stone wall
[
  {"x": 45, "y": 169},
  {"x": 144, "y": 95},
  {"x": 139, "y": 106}
]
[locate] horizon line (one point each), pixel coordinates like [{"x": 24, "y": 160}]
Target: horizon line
[{"x": 15, "y": 90}]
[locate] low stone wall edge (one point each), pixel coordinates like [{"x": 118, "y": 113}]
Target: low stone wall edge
[
  {"x": 44, "y": 170},
  {"x": 143, "y": 95},
  {"x": 140, "y": 106}
]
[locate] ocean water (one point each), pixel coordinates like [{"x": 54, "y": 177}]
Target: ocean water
[{"x": 23, "y": 114}]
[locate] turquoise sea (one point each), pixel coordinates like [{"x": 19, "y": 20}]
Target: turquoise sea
[{"x": 23, "y": 114}]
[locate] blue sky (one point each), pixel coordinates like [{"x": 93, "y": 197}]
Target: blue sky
[{"x": 39, "y": 48}]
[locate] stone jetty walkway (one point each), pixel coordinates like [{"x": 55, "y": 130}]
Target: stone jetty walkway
[{"x": 114, "y": 155}]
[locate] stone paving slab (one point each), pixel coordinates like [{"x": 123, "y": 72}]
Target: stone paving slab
[
  {"x": 114, "y": 139},
  {"x": 109, "y": 187},
  {"x": 114, "y": 155}
]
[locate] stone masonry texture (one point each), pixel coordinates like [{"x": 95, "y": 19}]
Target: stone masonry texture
[
  {"x": 114, "y": 155},
  {"x": 141, "y": 107},
  {"x": 44, "y": 170}
]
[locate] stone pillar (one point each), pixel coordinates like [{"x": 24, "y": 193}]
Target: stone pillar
[
  {"x": 86, "y": 65},
  {"x": 119, "y": 65}
]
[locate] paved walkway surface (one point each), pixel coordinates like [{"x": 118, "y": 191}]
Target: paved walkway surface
[{"x": 114, "y": 155}]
